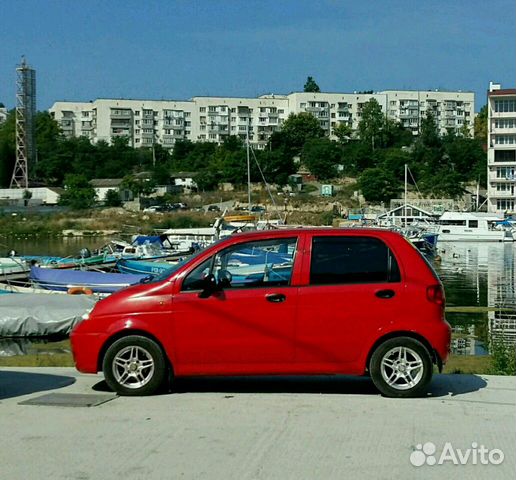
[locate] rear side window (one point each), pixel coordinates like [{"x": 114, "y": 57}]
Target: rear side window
[{"x": 347, "y": 260}]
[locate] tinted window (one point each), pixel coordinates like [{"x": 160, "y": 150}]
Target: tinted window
[{"x": 337, "y": 260}]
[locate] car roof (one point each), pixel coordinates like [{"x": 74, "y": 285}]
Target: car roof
[{"x": 285, "y": 232}]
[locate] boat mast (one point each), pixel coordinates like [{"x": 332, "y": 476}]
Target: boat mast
[
  {"x": 248, "y": 169},
  {"x": 405, "y": 203}
]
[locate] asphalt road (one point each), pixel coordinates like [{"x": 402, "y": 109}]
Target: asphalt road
[{"x": 261, "y": 428}]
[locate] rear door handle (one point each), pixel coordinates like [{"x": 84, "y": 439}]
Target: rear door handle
[
  {"x": 275, "y": 297},
  {"x": 385, "y": 294}
]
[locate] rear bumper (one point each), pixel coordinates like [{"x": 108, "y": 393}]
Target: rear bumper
[{"x": 440, "y": 339}]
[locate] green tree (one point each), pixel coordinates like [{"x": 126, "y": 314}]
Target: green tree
[
  {"x": 372, "y": 123},
  {"x": 138, "y": 186},
  {"x": 296, "y": 130},
  {"x": 207, "y": 179},
  {"x": 78, "y": 194},
  {"x": 7, "y": 148},
  {"x": 356, "y": 157},
  {"x": 429, "y": 135},
  {"x": 480, "y": 125},
  {"x": 343, "y": 132},
  {"x": 311, "y": 86},
  {"x": 275, "y": 166},
  {"x": 112, "y": 199},
  {"x": 378, "y": 185},
  {"x": 321, "y": 156}
]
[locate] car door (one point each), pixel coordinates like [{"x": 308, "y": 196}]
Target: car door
[
  {"x": 352, "y": 288},
  {"x": 248, "y": 326}
]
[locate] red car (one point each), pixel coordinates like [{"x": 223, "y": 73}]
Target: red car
[{"x": 283, "y": 302}]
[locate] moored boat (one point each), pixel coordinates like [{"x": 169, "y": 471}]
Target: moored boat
[
  {"x": 10, "y": 265},
  {"x": 472, "y": 226},
  {"x": 142, "y": 267},
  {"x": 65, "y": 280}
]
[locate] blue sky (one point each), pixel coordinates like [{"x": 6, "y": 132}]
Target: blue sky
[{"x": 176, "y": 49}]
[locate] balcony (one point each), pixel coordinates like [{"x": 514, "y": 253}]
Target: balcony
[
  {"x": 127, "y": 114},
  {"x": 498, "y": 194},
  {"x": 508, "y": 178},
  {"x": 315, "y": 109}
]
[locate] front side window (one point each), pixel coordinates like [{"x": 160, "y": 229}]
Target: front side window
[
  {"x": 256, "y": 264},
  {"x": 351, "y": 260},
  {"x": 247, "y": 265}
]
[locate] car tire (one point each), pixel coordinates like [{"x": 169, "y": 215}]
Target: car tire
[
  {"x": 134, "y": 365},
  {"x": 401, "y": 367}
]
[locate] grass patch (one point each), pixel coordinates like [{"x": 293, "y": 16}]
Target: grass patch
[
  {"x": 469, "y": 364},
  {"x": 40, "y": 354},
  {"x": 38, "y": 360}
]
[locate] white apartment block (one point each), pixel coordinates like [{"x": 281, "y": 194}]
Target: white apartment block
[
  {"x": 149, "y": 122},
  {"x": 501, "y": 153},
  {"x": 3, "y": 114}
]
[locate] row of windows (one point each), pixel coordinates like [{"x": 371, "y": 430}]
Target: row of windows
[
  {"x": 503, "y": 204},
  {"x": 223, "y": 109},
  {"x": 505, "y": 139},
  {"x": 505, "y": 172},
  {"x": 505, "y": 155},
  {"x": 505, "y": 105},
  {"x": 503, "y": 187},
  {"x": 505, "y": 123}
]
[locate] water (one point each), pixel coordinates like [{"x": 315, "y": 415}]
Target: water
[
  {"x": 483, "y": 275},
  {"x": 53, "y": 246},
  {"x": 473, "y": 274}
]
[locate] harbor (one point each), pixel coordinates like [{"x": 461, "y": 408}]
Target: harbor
[{"x": 478, "y": 278}]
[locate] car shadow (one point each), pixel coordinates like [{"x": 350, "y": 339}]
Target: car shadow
[
  {"x": 16, "y": 384},
  {"x": 444, "y": 385},
  {"x": 441, "y": 385}
]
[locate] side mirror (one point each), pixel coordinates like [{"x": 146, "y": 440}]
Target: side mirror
[{"x": 209, "y": 286}]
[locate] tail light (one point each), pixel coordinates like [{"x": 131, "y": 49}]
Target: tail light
[{"x": 435, "y": 294}]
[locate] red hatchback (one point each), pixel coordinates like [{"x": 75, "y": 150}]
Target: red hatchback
[{"x": 283, "y": 302}]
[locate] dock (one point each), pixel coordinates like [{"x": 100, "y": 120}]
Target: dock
[{"x": 251, "y": 428}]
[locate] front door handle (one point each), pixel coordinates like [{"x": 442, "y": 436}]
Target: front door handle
[
  {"x": 275, "y": 297},
  {"x": 385, "y": 294}
]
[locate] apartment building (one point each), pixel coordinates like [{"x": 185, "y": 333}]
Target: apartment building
[
  {"x": 451, "y": 110},
  {"x": 501, "y": 153},
  {"x": 3, "y": 114},
  {"x": 149, "y": 122}
]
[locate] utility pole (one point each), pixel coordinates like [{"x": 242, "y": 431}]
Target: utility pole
[{"x": 405, "y": 203}]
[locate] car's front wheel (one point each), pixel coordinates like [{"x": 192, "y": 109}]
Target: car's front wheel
[
  {"x": 401, "y": 367},
  {"x": 134, "y": 365}
]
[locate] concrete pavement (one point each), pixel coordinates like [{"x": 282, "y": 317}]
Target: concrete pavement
[{"x": 255, "y": 428}]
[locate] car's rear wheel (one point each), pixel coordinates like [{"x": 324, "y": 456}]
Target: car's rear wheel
[
  {"x": 401, "y": 367},
  {"x": 134, "y": 365}
]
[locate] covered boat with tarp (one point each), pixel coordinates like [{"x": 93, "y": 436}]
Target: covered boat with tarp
[
  {"x": 74, "y": 280},
  {"x": 37, "y": 315}
]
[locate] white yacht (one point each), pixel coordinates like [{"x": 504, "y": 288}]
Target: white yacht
[{"x": 472, "y": 227}]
